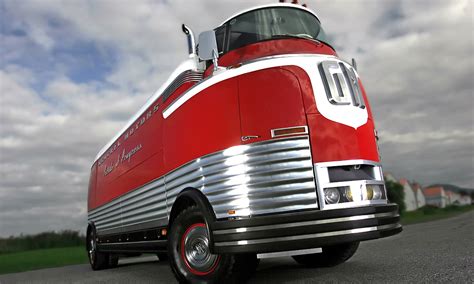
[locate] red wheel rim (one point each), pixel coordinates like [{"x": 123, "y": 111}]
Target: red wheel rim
[{"x": 192, "y": 236}]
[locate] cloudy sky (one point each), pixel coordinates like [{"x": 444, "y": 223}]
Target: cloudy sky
[{"x": 73, "y": 72}]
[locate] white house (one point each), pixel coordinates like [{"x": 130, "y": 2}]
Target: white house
[
  {"x": 420, "y": 197},
  {"x": 410, "y": 196},
  {"x": 436, "y": 196}
]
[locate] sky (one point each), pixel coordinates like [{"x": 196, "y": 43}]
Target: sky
[{"x": 73, "y": 72}]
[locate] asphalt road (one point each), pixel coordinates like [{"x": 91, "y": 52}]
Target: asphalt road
[{"x": 440, "y": 251}]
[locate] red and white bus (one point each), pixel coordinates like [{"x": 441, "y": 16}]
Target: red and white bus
[{"x": 260, "y": 144}]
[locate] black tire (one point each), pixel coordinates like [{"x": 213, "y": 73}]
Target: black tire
[
  {"x": 330, "y": 256},
  {"x": 98, "y": 260},
  {"x": 162, "y": 256},
  {"x": 188, "y": 235}
]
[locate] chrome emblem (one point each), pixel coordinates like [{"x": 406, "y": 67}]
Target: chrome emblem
[{"x": 341, "y": 84}]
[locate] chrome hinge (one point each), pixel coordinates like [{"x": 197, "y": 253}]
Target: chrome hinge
[{"x": 247, "y": 138}]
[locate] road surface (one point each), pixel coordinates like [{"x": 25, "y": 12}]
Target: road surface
[{"x": 440, "y": 251}]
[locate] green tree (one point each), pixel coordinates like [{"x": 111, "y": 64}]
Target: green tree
[{"x": 395, "y": 194}]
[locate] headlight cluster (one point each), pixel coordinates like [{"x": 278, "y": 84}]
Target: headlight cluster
[{"x": 334, "y": 195}]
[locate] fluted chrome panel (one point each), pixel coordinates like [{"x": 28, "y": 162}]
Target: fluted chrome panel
[
  {"x": 265, "y": 177},
  {"x": 145, "y": 204}
]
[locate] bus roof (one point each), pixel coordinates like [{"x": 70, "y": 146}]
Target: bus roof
[{"x": 289, "y": 5}]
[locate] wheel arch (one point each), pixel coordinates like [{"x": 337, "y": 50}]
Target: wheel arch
[{"x": 189, "y": 197}]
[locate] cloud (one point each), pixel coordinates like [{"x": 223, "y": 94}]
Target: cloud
[{"x": 73, "y": 72}]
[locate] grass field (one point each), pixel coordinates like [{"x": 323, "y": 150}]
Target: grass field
[
  {"x": 41, "y": 258},
  {"x": 430, "y": 214}
]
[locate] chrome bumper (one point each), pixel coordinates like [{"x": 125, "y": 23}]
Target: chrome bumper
[{"x": 304, "y": 230}]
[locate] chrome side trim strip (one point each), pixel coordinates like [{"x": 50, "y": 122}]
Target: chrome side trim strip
[
  {"x": 308, "y": 236},
  {"x": 289, "y": 253},
  {"x": 260, "y": 178},
  {"x": 306, "y": 223},
  {"x": 146, "y": 204}
]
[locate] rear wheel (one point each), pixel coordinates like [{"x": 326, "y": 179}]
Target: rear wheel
[
  {"x": 98, "y": 260},
  {"x": 330, "y": 256},
  {"x": 190, "y": 256}
]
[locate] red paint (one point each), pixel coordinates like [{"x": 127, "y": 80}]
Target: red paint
[
  {"x": 183, "y": 257},
  {"x": 269, "y": 99},
  {"x": 270, "y": 48},
  {"x": 217, "y": 118}
]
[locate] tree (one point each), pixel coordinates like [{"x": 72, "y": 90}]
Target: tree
[{"x": 396, "y": 194}]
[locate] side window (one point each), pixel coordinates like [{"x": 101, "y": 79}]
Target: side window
[{"x": 220, "y": 38}]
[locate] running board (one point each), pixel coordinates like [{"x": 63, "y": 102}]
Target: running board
[
  {"x": 289, "y": 253},
  {"x": 144, "y": 246}
]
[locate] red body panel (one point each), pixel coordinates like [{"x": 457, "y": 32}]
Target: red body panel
[
  {"x": 269, "y": 99},
  {"x": 136, "y": 160},
  {"x": 207, "y": 123},
  {"x": 217, "y": 118}
]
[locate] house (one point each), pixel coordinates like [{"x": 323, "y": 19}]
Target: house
[
  {"x": 465, "y": 200},
  {"x": 436, "y": 196},
  {"x": 420, "y": 197},
  {"x": 453, "y": 197},
  {"x": 410, "y": 196}
]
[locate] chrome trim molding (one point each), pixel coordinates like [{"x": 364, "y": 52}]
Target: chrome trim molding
[
  {"x": 309, "y": 236},
  {"x": 185, "y": 77},
  {"x": 259, "y": 178},
  {"x": 145, "y": 204},
  {"x": 322, "y": 180},
  {"x": 286, "y": 128},
  {"x": 305, "y": 223},
  {"x": 289, "y": 253}
]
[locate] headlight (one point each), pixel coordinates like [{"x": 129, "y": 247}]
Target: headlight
[
  {"x": 348, "y": 194},
  {"x": 331, "y": 195},
  {"x": 374, "y": 192}
]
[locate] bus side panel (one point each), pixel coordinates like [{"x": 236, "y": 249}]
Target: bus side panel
[
  {"x": 138, "y": 158},
  {"x": 207, "y": 123}
]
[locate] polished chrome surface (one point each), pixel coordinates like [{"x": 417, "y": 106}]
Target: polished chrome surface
[
  {"x": 309, "y": 236},
  {"x": 341, "y": 83},
  {"x": 249, "y": 137},
  {"x": 289, "y": 253},
  {"x": 323, "y": 181},
  {"x": 185, "y": 77},
  {"x": 196, "y": 249},
  {"x": 190, "y": 37},
  {"x": 305, "y": 223},
  {"x": 259, "y": 178},
  {"x": 145, "y": 204}
]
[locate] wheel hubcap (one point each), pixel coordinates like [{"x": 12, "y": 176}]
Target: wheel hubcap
[
  {"x": 195, "y": 250},
  {"x": 92, "y": 248}
]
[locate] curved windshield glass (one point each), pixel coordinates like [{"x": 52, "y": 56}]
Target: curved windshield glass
[{"x": 269, "y": 23}]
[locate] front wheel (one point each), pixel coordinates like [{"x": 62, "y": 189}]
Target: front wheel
[
  {"x": 330, "y": 255},
  {"x": 190, "y": 256}
]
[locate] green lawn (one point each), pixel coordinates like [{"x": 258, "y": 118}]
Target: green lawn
[
  {"x": 41, "y": 258},
  {"x": 430, "y": 214}
]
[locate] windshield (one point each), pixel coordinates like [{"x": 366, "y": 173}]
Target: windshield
[{"x": 269, "y": 23}]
